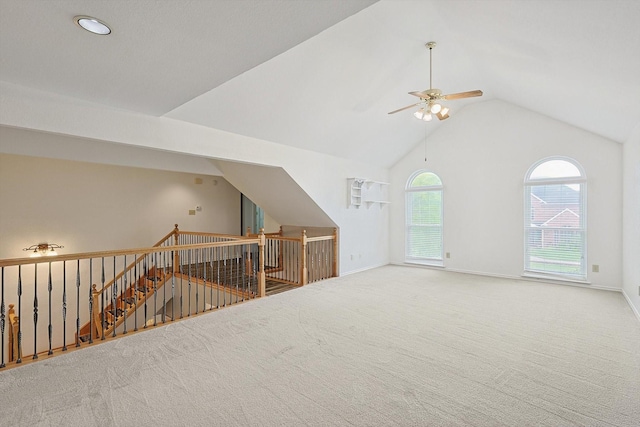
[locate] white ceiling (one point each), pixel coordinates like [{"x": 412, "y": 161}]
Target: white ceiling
[{"x": 322, "y": 74}]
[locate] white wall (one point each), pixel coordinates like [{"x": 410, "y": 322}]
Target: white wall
[
  {"x": 270, "y": 224},
  {"x": 482, "y": 155},
  {"x": 363, "y": 232},
  {"x": 91, "y": 207},
  {"x": 42, "y": 144},
  {"x": 631, "y": 220}
]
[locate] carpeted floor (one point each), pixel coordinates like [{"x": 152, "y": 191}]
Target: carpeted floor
[{"x": 393, "y": 346}]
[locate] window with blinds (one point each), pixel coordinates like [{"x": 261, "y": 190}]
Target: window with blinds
[
  {"x": 424, "y": 219},
  {"x": 555, "y": 220}
]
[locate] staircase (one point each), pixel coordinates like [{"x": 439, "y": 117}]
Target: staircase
[
  {"x": 230, "y": 277},
  {"x": 123, "y": 305}
]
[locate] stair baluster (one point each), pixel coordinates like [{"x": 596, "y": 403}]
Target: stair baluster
[
  {"x": 2, "y": 320},
  {"x": 102, "y": 307},
  {"x": 78, "y": 305},
  {"x": 123, "y": 301},
  {"x": 35, "y": 312},
  {"x": 64, "y": 306},
  {"x": 136, "y": 276}
]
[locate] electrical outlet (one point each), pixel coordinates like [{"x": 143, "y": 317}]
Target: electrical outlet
[
  {"x": 192, "y": 211},
  {"x": 595, "y": 268},
  {"x": 448, "y": 255}
]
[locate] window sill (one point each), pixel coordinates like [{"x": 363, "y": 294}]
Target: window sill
[
  {"x": 425, "y": 263},
  {"x": 554, "y": 278}
]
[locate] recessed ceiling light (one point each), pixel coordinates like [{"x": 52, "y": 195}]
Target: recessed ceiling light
[{"x": 92, "y": 25}]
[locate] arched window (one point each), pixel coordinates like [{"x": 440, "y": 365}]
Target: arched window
[
  {"x": 555, "y": 219},
  {"x": 424, "y": 219}
]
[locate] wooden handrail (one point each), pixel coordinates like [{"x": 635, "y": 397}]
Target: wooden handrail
[
  {"x": 272, "y": 234},
  {"x": 172, "y": 233},
  {"x": 320, "y": 238},
  {"x": 136, "y": 251},
  {"x": 277, "y": 236},
  {"x": 226, "y": 236}
]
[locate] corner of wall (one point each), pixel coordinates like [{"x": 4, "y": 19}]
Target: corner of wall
[{"x": 631, "y": 221}]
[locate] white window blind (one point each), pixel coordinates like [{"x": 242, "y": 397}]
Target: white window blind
[
  {"x": 555, "y": 220},
  {"x": 424, "y": 219}
]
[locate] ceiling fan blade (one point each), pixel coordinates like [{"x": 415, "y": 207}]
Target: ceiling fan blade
[
  {"x": 404, "y": 108},
  {"x": 422, "y": 95},
  {"x": 461, "y": 95}
]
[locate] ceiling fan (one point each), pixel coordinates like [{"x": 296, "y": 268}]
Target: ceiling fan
[{"x": 429, "y": 98}]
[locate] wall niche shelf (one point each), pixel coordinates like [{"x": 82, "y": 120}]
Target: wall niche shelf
[{"x": 367, "y": 192}]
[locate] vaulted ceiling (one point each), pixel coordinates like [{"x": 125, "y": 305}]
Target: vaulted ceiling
[{"x": 322, "y": 74}]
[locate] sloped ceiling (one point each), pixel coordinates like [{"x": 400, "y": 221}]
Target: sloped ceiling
[
  {"x": 322, "y": 74},
  {"x": 276, "y": 192}
]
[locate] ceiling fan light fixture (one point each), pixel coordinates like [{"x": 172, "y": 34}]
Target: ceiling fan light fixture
[
  {"x": 443, "y": 114},
  {"x": 423, "y": 114},
  {"x": 435, "y": 108}
]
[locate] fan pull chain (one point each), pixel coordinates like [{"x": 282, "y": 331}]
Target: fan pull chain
[{"x": 425, "y": 144}]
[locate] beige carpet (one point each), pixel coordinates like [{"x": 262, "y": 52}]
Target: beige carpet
[{"x": 394, "y": 346}]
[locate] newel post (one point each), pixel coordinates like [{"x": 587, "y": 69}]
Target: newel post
[
  {"x": 14, "y": 350},
  {"x": 304, "y": 279},
  {"x": 97, "y": 323},
  {"x": 176, "y": 254},
  {"x": 262, "y": 286},
  {"x": 334, "y": 261}
]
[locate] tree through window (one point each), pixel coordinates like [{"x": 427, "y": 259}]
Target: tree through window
[
  {"x": 555, "y": 220},
  {"x": 424, "y": 219}
]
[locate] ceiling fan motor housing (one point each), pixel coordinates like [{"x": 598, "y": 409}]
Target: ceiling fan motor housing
[{"x": 432, "y": 94}]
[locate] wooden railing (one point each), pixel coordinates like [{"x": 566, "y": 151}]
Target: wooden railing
[
  {"x": 72, "y": 300},
  {"x": 299, "y": 260}
]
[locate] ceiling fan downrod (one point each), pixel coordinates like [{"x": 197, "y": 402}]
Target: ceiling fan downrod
[{"x": 430, "y": 46}]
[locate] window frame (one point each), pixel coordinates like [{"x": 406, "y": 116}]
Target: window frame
[
  {"x": 529, "y": 183},
  {"x": 435, "y": 262}
]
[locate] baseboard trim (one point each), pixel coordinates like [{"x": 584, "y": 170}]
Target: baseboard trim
[
  {"x": 360, "y": 270},
  {"x": 508, "y": 276},
  {"x": 633, "y": 308},
  {"x": 540, "y": 280}
]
